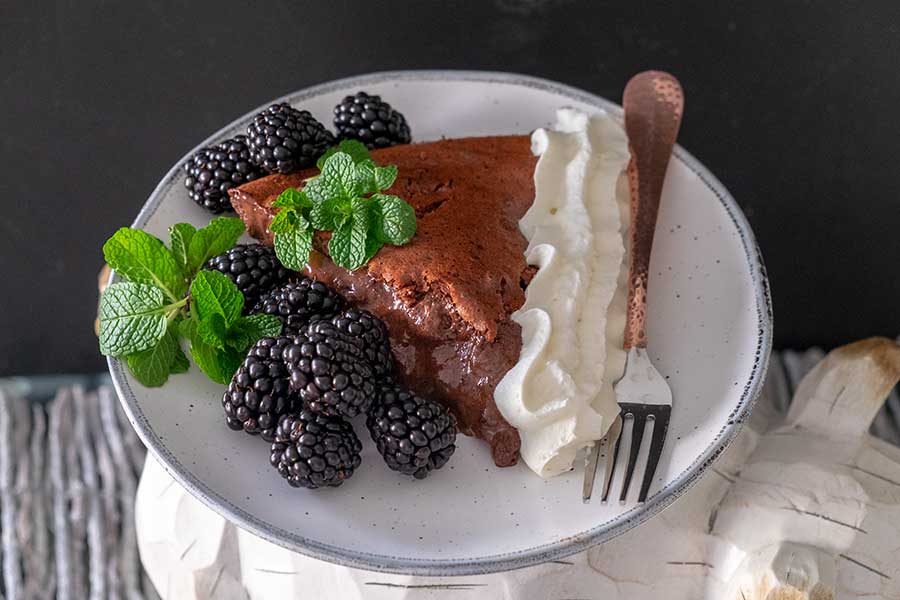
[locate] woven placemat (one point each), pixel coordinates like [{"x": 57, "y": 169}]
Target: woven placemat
[{"x": 69, "y": 469}]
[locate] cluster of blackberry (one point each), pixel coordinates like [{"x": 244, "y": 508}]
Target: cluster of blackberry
[
  {"x": 283, "y": 139},
  {"x": 331, "y": 364}
]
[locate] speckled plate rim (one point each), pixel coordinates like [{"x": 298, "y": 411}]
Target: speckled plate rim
[{"x": 500, "y": 562}]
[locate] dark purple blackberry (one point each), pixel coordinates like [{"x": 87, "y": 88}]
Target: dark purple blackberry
[
  {"x": 371, "y": 335},
  {"x": 259, "y": 393},
  {"x": 296, "y": 304},
  {"x": 413, "y": 435},
  {"x": 214, "y": 170},
  {"x": 329, "y": 372},
  {"x": 370, "y": 120},
  {"x": 284, "y": 139},
  {"x": 253, "y": 268},
  {"x": 313, "y": 450}
]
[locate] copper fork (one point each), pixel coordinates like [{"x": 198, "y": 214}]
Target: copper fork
[{"x": 654, "y": 103}]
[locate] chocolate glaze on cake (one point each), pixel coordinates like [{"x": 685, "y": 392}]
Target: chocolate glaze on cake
[{"x": 446, "y": 297}]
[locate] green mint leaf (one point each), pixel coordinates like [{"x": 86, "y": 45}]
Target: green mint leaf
[
  {"x": 141, "y": 258},
  {"x": 213, "y": 330},
  {"x": 330, "y": 214},
  {"x": 248, "y": 330},
  {"x": 180, "y": 362},
  {"x": 365, "y": 171},
  {"x": 180, "y": 236},
  {"x": 293, "y": 248},
  {"x": 347, "y": 247},
  {"x": 340, "y": 177},
  {"x": 385, "y": 177},
  {"x": 374, "y": 178},
  {"x": 321, "y": 216},
  {"x": 373, "y": 245},
  {"x": 321, "y": 161},
  {"x": 262, "y": 325},
  {"x": 396, "y": 219},
  {"x": 133, "y": 318},
  {"x": 188, "y": 327},
  {"x": 214, "y": 293},
  {"x": 318, "y": 191},
  {"x": 292, "y": 198},
  {"x": 238, "y": 339},
  {"x": 356, "y": 149},
  {"x": 219, "y": 365},
  {"x": 285, "y": 220},
  {"x": 152, "y": 366},
  {"x": 220, "y": 235}
]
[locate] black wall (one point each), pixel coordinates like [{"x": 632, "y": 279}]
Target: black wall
[{"x": 794, "y": 105}]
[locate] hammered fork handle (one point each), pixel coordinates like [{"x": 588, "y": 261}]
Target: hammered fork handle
[{"x": 652, "y": 119}]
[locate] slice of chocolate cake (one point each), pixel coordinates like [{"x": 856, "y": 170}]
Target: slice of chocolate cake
[{"x": 447, "y": 296}]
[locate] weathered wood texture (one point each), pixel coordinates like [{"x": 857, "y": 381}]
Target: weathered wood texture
[{"x": 68, "y": 474}]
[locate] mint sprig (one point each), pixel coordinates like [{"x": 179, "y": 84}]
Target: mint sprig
[
  {"x": 166, "y": 298},
  {"x": 346, "y": 199}
]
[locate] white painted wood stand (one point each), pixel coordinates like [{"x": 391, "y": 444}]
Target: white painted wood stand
[{"x": 799, "y": 507}]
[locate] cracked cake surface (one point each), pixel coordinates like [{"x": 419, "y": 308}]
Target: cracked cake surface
[{"x": 447, "y": 296}]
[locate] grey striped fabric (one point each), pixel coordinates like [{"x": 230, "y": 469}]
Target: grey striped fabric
[{"x": 69, "y": 470}]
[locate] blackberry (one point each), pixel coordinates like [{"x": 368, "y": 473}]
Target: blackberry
[
  {"x": 370, "y": 120},
  {"x": 284, "y": 139},
  {"x": 214, "y": 170},
  {"x": 253, "y": 268},
  {"x": 259, "y": 393},
  {"x": 313, "y": 450},
  {"x": 296, "y": 304},
  {"x": 413, "y": 435},
  {"x": 329, "y": 372},
  {"x": 367, "y": 331}
]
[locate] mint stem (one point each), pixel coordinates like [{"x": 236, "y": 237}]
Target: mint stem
[
  {"x": 179, "y": 304},
  {"x": 173, "y": 309}
]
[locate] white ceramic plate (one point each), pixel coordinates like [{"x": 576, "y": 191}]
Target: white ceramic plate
[{"x": 710, "y": 327}]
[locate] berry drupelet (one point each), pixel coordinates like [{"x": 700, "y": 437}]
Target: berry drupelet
[
  {"x": 298, "y": 303},
  {"x": 313, "y": 450},
  {"x": 329, "y": 372},
  {"x": 253, "y": 268},
  {"x": 259, "y": 392},
  {"x": 370, "y": 120},
  {"x": 370, "y": 334},
  {"x": 413, "y": 435},
  {"x": 213, "y": 170},
  {"x": 283, "y": 139}
]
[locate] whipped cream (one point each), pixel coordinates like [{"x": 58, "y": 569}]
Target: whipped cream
[{"x": 559, "y": 395}]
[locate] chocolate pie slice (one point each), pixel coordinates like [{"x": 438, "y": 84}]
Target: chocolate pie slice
[{"x": 447, "y": 296}]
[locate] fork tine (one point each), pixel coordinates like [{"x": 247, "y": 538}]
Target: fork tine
[
  {"x": 637, "y": 435},
  {"x": 590, "y": 472},
  {"x": 614, "y": 435},
  {"x": 604, "y": 448},
  {"x": 612, "y": 468},
  {"x": 660, "y": 417}
]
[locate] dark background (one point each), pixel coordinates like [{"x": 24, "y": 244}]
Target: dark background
[{"x": 793, "y": 106}]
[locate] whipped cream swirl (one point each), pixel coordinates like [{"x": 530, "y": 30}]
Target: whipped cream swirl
[{"x": 559, "y": 395}]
